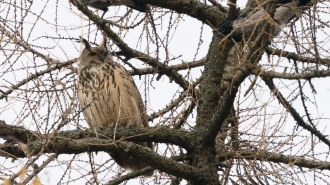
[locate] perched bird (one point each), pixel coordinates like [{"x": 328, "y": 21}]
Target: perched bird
[
  {"x": 109, "y": 97},
  {"x": 104, "y": 4},
  {"x": 247, "y": 24}
]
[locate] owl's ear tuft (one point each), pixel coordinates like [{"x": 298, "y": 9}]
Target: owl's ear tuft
[
  {"x": 87, "y": 44},
  {"x": 104, "y": 42}
]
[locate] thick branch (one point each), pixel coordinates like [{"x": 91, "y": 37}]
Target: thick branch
[
  {"x": 62, "y": 145},
  {"x": 16, "y": 133},
  {"x": 160, "y": 134},
  {"x": 210, "y": 15}
]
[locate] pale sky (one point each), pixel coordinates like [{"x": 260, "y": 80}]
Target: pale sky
[{"x": 183, "y": 42}]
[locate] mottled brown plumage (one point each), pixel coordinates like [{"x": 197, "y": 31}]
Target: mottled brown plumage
[{"x": 109, "y": 97}]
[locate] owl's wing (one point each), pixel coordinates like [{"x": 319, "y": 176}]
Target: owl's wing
[
  {"x": 249, "y": 20},
  {"x": 134, "y": 95},
  {"x": 286, "y": 12}
]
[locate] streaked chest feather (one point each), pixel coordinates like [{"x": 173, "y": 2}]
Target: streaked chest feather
[{"x": 98, "y": 78}]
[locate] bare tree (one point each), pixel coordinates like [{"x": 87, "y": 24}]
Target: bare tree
[{"x": 230, "y": 112}]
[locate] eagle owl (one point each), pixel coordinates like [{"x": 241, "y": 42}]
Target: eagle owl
[{"x": 108, "y": 96}]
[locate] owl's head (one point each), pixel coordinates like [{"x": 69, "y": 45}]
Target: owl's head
[{"x": 94, "y": 55}]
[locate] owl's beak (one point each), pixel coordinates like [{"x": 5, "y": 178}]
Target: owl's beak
[{"x": 101, "y": 57}]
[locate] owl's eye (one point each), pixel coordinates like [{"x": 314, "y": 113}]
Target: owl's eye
[{"x": 91, "y": 54}]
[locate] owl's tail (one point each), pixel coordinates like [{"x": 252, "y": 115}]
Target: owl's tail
[{"x": 129, "y": 162}]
